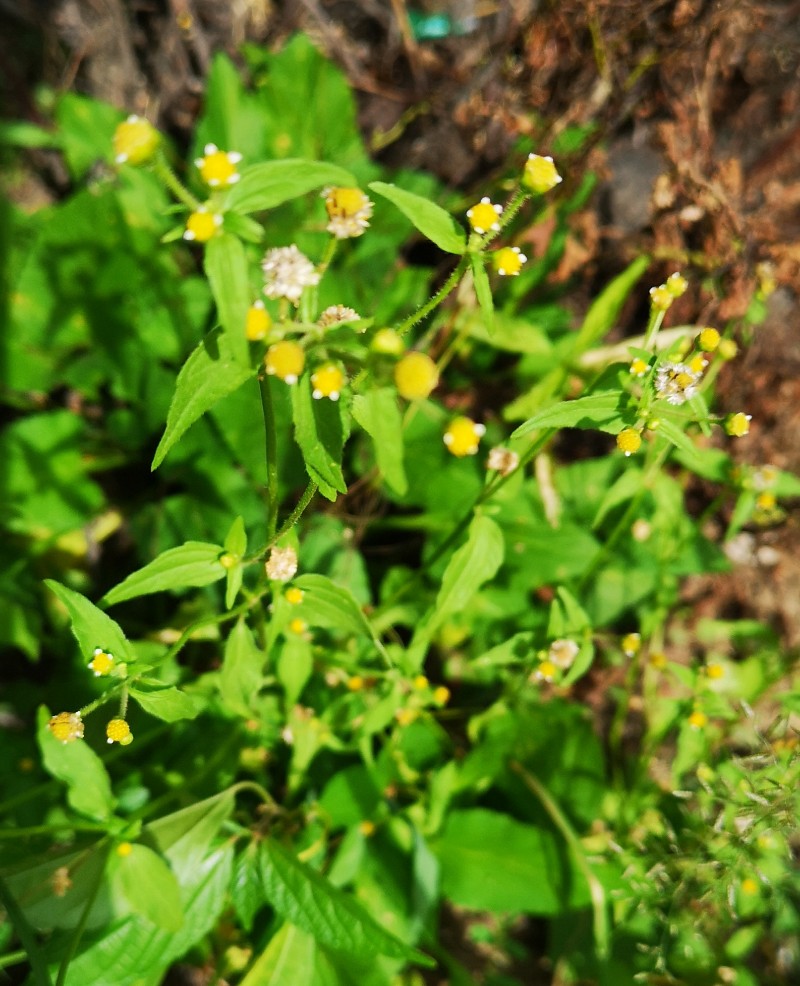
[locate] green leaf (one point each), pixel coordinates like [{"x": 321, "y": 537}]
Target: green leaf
[
  {"x": 79, "y": 767},
  {"x": 169, "y": 704},
  {"x": 430, "y": 219},
  {"x": 185, "y": 836},
  {"x": 675, "y": 434},
  {"x": 227, "y": 272},
  {"x": 209, "y": 374},
  {"x": 318, "y": 431},
  {"x": 604, "y": 311},
  {"x": 329, "y": 605},
  {"x": 264, "y": 186},
  {"x": 149, "y": 886},
  {"x": 378, "y": 414},
  {"x": 247, "y": 894},
  {"x": 293, "y": 671},
  {"x": 242, "y": 670},
  {"x": 474, "y": 563},
  {"x": 491, "y": 862},
  {"x": 236, "y": 538},
  {"x": 304, "y": 897},
  {"x": 624, "y": 488},
  {"x": 287, "y": 959},
  {"x": 483, "y": 290},
  {"x": 235, "y": 545},
  {"x": 90, "y": 625},
  {"x": 195, "y": 563},
  {"x": 606, "y": 412}
]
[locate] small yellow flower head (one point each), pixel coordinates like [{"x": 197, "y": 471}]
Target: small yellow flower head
[
  {"x": 698, "y": 719},
  {"x": 676, "y": 284},
  {"x": 124, "y": 849},
  {"x": 502, "y": 460},
  {"x": 420, "y": 683},
  {"x": 697, "y": 364},
  {"x": 102, "y": 663},
  {"x": 728, "y": 349},
  {"x": 366, "y": 828},
  {"x": 135, "y": 141},
  {"x": 327, "y": 381},
  {"x": 483, "y": 216},
  {"x": 540, "y": 174},
  {"x": 661, "y": 298},
  {"x": 546, "y": 671},
  {"x": 765, "y": 477},
  {"x": 202, "y": 225},
  {"x": 441, "y": 695},
  {"x": 349, "y": 211},
  {"x": 61, "y": 881},
  {"x": 766, "y": 501},
  {"x": 118, "y": 731},
  {"x": 294, "y": 596},
  {"x": 749, "y": 887},
  {"x": 66, "y": 726},
  {"x": 387, "y": 342},
  {"x": 258, "y": 322},
  {"x": 405, "y": 717},
  {"x": 281, "y": 566},
  {"x": 658, "y": 660},
  {"x": 737, "y": 425},
  {"x": 631, "y": 644},
  {"x": 638, "y": 367},
  {"x": 463, "y": 436},
  {"x": 285, "y": 360},
  {"x": 677, "y": 382},
  {"x": 715, "y": 671},
  {"x": 355, "y": 683},
  {"x": 337, "y": 315},
  {"x": 562, "y": 653},
  {"x": 508, "y": 261},
  {"x": 218, "y": 168},
  {"x": 416, "y": 376},
  {"x": 298, "y": 626},
  {"x": 629, "y": 441},
  {"x": 709, "y": 339}
]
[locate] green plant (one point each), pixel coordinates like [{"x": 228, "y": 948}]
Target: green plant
[{"x": 399, "y": 724}]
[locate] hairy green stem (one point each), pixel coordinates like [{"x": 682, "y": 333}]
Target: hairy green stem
[
  {"x": 296, "y": 514},
  {"x": 596, "y": 892},
  {"x": 436, "y": 300},
  {"x": 170, "y": 179},
  {"x": 271, "y": 451}
]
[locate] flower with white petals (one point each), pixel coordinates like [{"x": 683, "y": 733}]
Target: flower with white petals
[
  {"x": 676, "y": 382},
  {"x": 287, "y": 272},
  {"x": 281, "y": 565}
]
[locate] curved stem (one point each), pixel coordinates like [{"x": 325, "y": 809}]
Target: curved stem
[
  {"x": 597, "y": 894},
  {"x": 271, "y": 451},
  {"x": 295, "y": 515},
  {"x": 170, "y": 179},
  {"x": 436, "y": 300}
]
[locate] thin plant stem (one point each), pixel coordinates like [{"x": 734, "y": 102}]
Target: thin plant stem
[
  {"x": 271, "y": 452},
  {"x": 12, "y": 958},
  {"x": 597, "y": 894},
  {"x": 436, "y": 300},
  {"x": 296, "y": 514},
  {"x": 170, "y": 179},
  {"x": 26, "y": 935}
]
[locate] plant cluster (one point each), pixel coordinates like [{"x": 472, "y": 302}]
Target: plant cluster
[{"x": 347, "y": 682}]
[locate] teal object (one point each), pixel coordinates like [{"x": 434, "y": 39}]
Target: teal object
[{"x": 429, "y": 27}]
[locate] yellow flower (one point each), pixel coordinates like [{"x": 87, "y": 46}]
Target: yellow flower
[
  {"x": 715, "y": 671},
  {"x": 546, "y": 671},
  {"x": 202, "y": 225},
  {"x": 327, "y": 381},
  {"x": 101, "y": 663},
  {"x": 294, "y": 596},
  {"x": 118, "y": 731},
  {"x": 676, "y": 284},
  {"x": 728, "y": 349},
  {"x": 698, "y": 719},
  {"x": 285, "y": 360},
  {"x": 631, "y": 644},
  {"x": 737, "y": 425},
  {"x": 218, "y": 168},
  {"x": 349, "y": 211},
  {"x": 66, "y": 726},
  {"x": 298, "y": 626},
  {"x": 709, "y": 339},
  {"x": 463, "y": 436},
  {"x": 508, "y": 261},
  {"x": 258, "y": 321},
  {"x": 415, "y": 376},
  {"x": 629, "y": 441},
  {"x": 366, "y": 828},
  {"x": 124, "y": 849},
  {"x": 441, "y": 695},
  {"x": 766, "y": 501},
  {"x": 658, "y": 659},
  {"x": 661, "y": 298},
  {"x": 540, "y": 174},
  {"x": 420, "y": 682},
  {"x": 483, "y": 216},
  {"x": 355, "y": 683},
  {"x": 638, "y": 367},
  {"x": 135, "y": 141},
  {"x": 405, "y": 717},
  {"x": 387, "y": 342}
]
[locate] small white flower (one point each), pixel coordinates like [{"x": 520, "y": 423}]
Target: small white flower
[
  {"x": 562, "y": 653},
  {"x": 281, "y": 565},
  {"x": 287, "y": 272},
  {"x": 676, "y": 382},
  {"x": 337, "y": 315}
]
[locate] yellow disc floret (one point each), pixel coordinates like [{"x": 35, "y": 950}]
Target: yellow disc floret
[
  {"x": 508, "y": 261},
  {"x": 327, "y": 381},
  {"x": 709, "y": 339},
  {"x": 661, "y": 298},
  {"x": 218, "y": 168},
  {"x": 298, "y": 626},
  {"x": 483, "y": 217},
  {"x": 416, "y": 376},
  {"x": 737, "y": 425},
  {"x": 540, "y": 174},
  {"x": 388, "y": 342},
  {"x": 638, "y": 367},
  {"x": 676, "y": 284},
  {"x": 258, "y": 322},
  {"x": 285, "y": 360},
  {"x": 102, "y": 663},
  {"x": 294, "y": 596},
  {"x": 135, "y": 141},
  {"x": 349, "y": 211},
  {"x": 202, "y": 225},
  {"x": 463, "y": 436},
  {"x": 698, "y": 719},
  {"x": 66, "y": 726},
  {"x": 118, "y": 731},
  {"x": 629, "y": 441}
]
